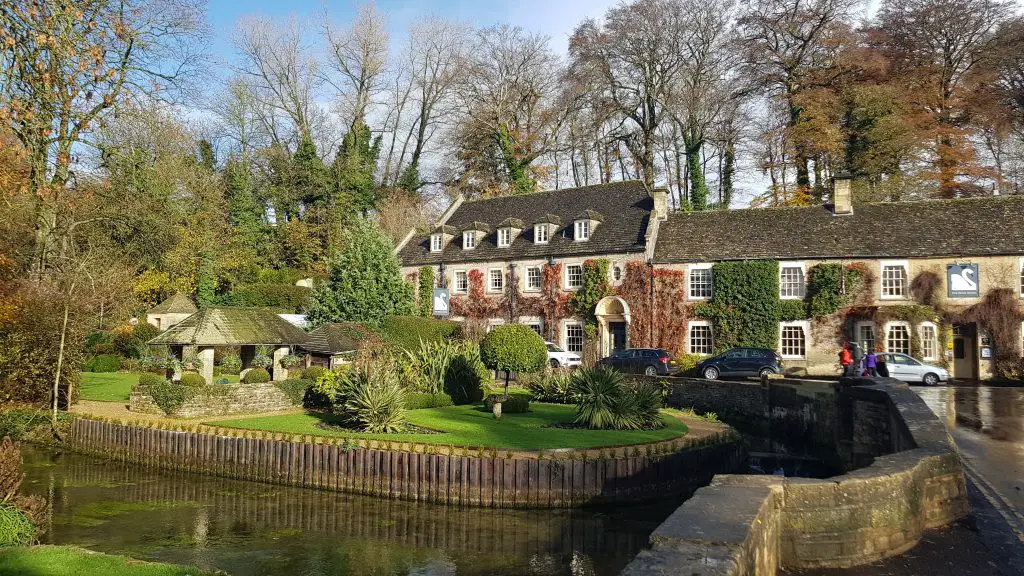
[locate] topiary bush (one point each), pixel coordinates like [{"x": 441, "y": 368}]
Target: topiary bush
[
  {"x": 256, "y": 376},
  {"x": 513, "y": 348},
  {"x": 169, "y": 396},
  {"x": 313, "y": 373},
  {"x": 231, "y": 364},
  {"x": 295, "y": 389},
  {"x": 510, "y": 403},
  {"x": 103, "y": 363},
  {"x": 420, "y": 400},
  {"x": 193, "y": 380},
  {"x": 605, "y": 401},
  {"x": 149, "y": 379}
]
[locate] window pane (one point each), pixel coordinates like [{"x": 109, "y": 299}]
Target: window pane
[
  {"x": 793, "y": 343},
  {"x": 700, "y": 340},
  {"x": 575, "y": 276},
  {"x": 533, "y": 278},
  {"x": 497, "y": 280},
  {"x": 700, "y": 283},
  {"x": 791, "y": 282},
  {"x": 574, "y": 338},
  {"x": 894, "y": 281},
  {"x": 866, "y": 337},
  {"x": 461, "y": 281},
  {"x": 540, "y": 234},
  {"x": 898, "y": 339},
  {"x": 929, "y": 344},
  {"x": 468, "y": 240}
]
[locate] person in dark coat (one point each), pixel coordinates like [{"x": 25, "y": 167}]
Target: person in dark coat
[{"x": 881, "y": 368}]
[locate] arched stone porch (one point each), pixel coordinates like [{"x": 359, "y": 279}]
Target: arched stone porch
[{"x": 613, "y": 320}]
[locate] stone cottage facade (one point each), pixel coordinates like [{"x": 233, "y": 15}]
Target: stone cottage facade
[{"x": 930, "y": 270}]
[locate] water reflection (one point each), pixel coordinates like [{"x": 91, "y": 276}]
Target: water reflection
[
  {"x": 255, "y": 529},
  {"x": 997, "y": 412}
]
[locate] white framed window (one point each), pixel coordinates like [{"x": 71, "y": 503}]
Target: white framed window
[
  {"x": 582, "y": 230},
  {"x": 616, "y": 273},
  {"x": 534, "y": 279},
  {"x": 700, "y": 282},
  {"x": 893, "y": 277},
  {"x": 436, "y": 242},
  {"x": 929, "y": 336},
  {"x": 574, "y": 337},
  {"x": 574, "y": 276},
  {"x": 897, "y": 338},
  {"x": 700, "y": 339},
  {"x": 469, "y": 240},
  {"x": 495, "y": 280},
  {"x": 866, "y": 336},
  {"x": 793, "y": 338},
  {"x": 540, "y": 234},
  {"x": 536, "y": 323},
  {"x": 504, "y": 237},
  {"x": 792, "y": 283},
  {"x": 461, "y": 283}
]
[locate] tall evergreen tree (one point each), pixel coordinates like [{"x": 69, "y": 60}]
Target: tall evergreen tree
[
  {"x": 354, "y": 168},
  {"x": 309, "y": 178}
]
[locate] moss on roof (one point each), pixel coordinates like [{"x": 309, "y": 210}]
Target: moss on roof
[
  {"x": 232, "y": 327},
  {"x": 336, "y": 337},
  {"x": 179, "y": 303}
]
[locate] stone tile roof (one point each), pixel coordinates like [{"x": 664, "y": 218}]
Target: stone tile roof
[
  {"x": 232, "y": 327},
  {"x": 335, "y": 338},
  {"x": 624, "y": 206},
  {"x": 179, "y": 303},
  {"x": 932, "y": 228}
]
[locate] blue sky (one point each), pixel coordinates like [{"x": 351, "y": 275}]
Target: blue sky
[{"x": 555, "y": 18}]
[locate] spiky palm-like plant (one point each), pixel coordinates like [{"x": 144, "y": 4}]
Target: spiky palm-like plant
[
  {"x": 376, "y": 401},
  {"x": 600, "y": 393}
]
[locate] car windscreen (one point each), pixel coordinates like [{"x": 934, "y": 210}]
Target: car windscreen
[{"x": 553, "y": 348}]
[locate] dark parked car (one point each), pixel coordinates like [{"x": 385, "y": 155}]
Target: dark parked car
[
  {"x": 649, "y": 361},
  {"x": 741, "y": 362}
]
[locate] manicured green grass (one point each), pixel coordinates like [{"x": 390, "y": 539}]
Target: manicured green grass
[
  {"x": 473, "y": 426},
  {"x": 117, "y": 386},
  {"x": 108, "y": 386},
  {"x": 72, "y": 561}
]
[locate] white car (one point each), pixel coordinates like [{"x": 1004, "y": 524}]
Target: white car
[
  {"x": 907, "y": 369},
  {"x": 559, "y": 358}
]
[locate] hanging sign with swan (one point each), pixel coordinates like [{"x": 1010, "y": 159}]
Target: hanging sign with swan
[{"x": 962, "y": 280}]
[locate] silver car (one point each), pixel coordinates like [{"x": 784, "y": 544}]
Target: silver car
[{"x": 907, "y": 369}]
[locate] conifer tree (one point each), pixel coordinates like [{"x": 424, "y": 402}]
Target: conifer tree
[{"x": 354, "y": 168}]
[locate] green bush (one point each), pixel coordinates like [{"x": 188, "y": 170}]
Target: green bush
[
  {"x": 419, "y": 400},
  {"x": 294, "y": 388},
  {"x": 287, "y": 298},
  {"x": 510, "y": 403},
  {"x": 606, "y": 401},
  {"x": 450, "y": 366},
  {"x": 513, "y": 348},
  {"x": 99, "y": 342},
  {"x": 375, "y": 402},
  {"x": 20, "y": 423},
  {"x": 169, "y": 396},
  {"x": 686, "y": 364},
  {"x": 149, "y": 379},
  {"x": 262, "y": 359},
  {"x": 551, "y": 385},
  {"x": 313, "y": 373},
  {"x": 15, "y": 527},
  {"x": 405, "y": 333},
  {"x": 193, "y": 380},
  {"x": 256, "y": 376},
  {"x": 231, "y": 364},
  {"x": 103, "y": 363}
]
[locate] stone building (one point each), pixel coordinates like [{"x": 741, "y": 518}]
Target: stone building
[
  {"x": 171, "y": 311},
  {"x": 926, "y": 268}
]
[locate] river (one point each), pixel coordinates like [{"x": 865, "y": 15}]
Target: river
[{"x": 253, "y": 529}]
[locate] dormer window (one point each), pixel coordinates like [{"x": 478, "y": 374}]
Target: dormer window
[
  {"x": 540, "y": 234},
  {"x": 582, "y": 230},
  {"x": 436, "y": 242},
  {"x": 504, "y": 237},
  {"x": 469, "y": 239}
]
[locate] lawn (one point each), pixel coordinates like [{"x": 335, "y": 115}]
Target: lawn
[
  {"x": 473, "y": 426},
  {"x": 117, "y": 386},
  {"x": 72, "y": 561}
]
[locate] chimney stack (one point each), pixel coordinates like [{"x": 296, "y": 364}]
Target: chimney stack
[
  {"x": 660, "y": 197},
  {"x": 842, "y": 194}
]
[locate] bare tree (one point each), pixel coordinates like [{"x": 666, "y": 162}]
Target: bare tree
[{"x": 359, "y": 56}]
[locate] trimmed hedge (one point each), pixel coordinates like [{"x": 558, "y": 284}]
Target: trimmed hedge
[
  {"x": 256, "y": 376},
  {"x": 193, "y": 380},
  {"x": 313, "y": 373},
  {"x": 406, "y": 332},
  {"x": 285, "y": 297},
  {"x": 419, "y": 400},
  {"x": 103, "y": 363},
  {"x": 294, "y": 388},
  {"x": 513, "y": 348},
  {"x": 149, "y": 379},
  {"x": 511, "y": 404},
  {"x": 169, "y": 396}
]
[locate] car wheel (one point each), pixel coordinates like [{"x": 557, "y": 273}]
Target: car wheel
[
  {"x": 765, "y": 372},
  {"x": 711, "y": 373},
  {"x": 554, "y": 363},
  {"x": 931, "y": 379},
  {"x": 650, "y": 371}
]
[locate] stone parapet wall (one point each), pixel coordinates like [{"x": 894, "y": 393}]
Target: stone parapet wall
[
  {"x": 912, "y": 481},
  {"x": 218, "y": 400}
]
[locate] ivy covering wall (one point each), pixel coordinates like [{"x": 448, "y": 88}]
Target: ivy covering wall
[{"x": 745, "y": 308}]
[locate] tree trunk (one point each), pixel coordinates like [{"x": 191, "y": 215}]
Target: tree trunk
[
  {"x": 698, "y": 185},
  {"x": 60, "y": 364}
]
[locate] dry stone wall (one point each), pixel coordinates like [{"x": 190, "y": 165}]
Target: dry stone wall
[{"x": 218, "y": 400}]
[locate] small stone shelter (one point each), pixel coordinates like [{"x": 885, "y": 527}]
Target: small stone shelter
[
  {"x": 333, "y": 344},
  {"x": 171, "y": 311},
  {"x": 245, "y": 328}
]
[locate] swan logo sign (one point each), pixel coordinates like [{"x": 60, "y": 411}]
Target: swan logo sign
[
  {"x": 441, "y": 300},
  {"x": 962, "y": 280}
]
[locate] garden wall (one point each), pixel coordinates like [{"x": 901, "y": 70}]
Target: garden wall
[
  {"x": 427, "y": 473},
  {"x": 745, "y": 525},
  {"x": 218, "y": 400}
]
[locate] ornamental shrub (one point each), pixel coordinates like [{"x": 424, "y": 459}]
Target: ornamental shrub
[
  {"x": 420, "y": 400},
  {"x": 364, "y": 282},
  {"x": 256, "y": 376},
  {"x": 328, "y": 390},
  {"x": 375, "y": 402},
  {"x": 291, "y": 361},
  {"x": 294, "y": 388},
  {"x": 313, "y": 373},
  {"x": 513, "y": 348},
  {"x": 261, "y": 360},
  {"x": 425, "y": 302},
  {"x": 231, "y": 364},
  {"x": 193, "y": 380},
  {"x": 510, "y": 403},
  {"x": 149, "y": 379},
  {"x": 103, "y": 363},
  {"x": 406, "y": 332},
  {"x": 551, "y": 385},
  {"x": 686, "y": 364},
  {"x": 169, "y": 396},
  {"x": 606, "y": 401},
  {"x": 453, "y": 367}
]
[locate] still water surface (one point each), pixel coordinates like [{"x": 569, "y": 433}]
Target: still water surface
[{"x": 252, "y": 529}]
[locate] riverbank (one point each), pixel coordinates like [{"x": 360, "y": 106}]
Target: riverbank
[{"x": 75, "y": 561}]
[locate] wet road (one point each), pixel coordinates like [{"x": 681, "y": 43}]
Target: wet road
[{"x": 987, "y": 424}]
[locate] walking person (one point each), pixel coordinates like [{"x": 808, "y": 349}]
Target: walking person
[
  {"x": 845, "y": 359},
  {"x": 871, "y": 364}
]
